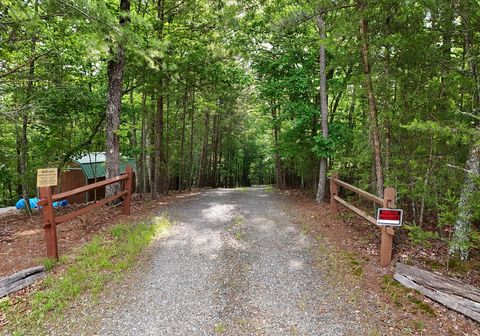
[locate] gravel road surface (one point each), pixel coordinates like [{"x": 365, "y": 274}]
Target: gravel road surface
[{"x": 234, "y": 264}]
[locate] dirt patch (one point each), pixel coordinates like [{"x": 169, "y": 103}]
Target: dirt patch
[
  {"x": 349, "y": 250},
  {"x": 22, "y": 243}
]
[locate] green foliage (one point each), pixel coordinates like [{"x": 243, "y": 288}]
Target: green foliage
[
  {"x": 49, "y": 264},
  {"x": 418, "y": 236},
  {"x": 239, "y": 73}
]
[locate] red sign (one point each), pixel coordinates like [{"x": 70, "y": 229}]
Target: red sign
[{"x": 389, "y": 217}]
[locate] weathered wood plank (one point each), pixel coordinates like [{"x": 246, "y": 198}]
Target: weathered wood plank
[
  {"x": 451, "y": 293},
  {"x": 20, "y": 280},
  {"x": 20, "y": 275}
]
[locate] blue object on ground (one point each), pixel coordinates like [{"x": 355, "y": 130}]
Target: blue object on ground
[
  {"x": 59, "y": 204},
  {"x": 21, "y": 203},
  {"x": 33, "y": 203}
]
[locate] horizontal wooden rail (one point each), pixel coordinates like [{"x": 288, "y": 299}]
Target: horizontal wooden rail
[
  {"x": 360, "y": 192},
  {"x": 356, "y": 210},
  {"x": 83, "y": 189},
  {"x": 50, "y": 221},
  {"x": 82, "y": 211},
  {"x": 388, "y": 201}
]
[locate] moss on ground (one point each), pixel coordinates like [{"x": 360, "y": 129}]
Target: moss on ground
[{"x": 408, "y": 299}]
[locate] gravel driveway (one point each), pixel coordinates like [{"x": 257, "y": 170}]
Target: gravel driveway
[{"x": 235, "y": 264}]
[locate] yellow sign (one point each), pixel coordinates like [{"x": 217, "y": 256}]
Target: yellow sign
[{"x": 47, "y": 177}]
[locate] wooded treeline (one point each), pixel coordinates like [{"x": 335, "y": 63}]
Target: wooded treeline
[
  {"x": 402, "y": 83},
  {"x": 164, "y": 73},
  {"x": 229, "y": 93}
]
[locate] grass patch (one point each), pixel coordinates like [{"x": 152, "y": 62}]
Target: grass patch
[
  {"x": 238, "y": 220},
  {"x": 422, "y": 306},
  {"x": 269, "y": 188},
  {"x": 236, "y": 227},
  {"x": 404, "y": 297},
  {"x": 418, "y": 325},
  {"x": 355, "y": 264},
  {"x": 101, "y": 260},
  {"x": 219, "y": 328},
  {"x": 49, "y": 263},
  {"x": 457, "y": 265}
]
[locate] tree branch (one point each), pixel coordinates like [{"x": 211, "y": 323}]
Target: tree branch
[
  {"x": 18, "y": 67},
  {"x": 83, "y": 144},
  {"x": 124, "y": 92}
]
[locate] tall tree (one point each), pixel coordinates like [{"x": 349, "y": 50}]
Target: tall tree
[
  {"x": 372, "y": 105},
  {"x": 115, "y": 69},
  {"x": 322, "y": 177},
  {"x": 463, "y": 227}
]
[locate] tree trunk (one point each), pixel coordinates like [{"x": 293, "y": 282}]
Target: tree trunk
[
  {"x": 181, "y": 161},
  {"x": 280, "y": 180},
  {"x": 322, "y": 175},
  {"x": 463, "y": 225},
  {"x": 151, "y": 164},
  {"x": 372, "y": 106},
  {"x": 133, "y": 135},
  {"x": 158, "y": 174},
  {"x": 351, "y": 109},
  {"x": 158, "y": 178},
  {"x": 216, "y": 138},
  {"x": 114, "y": 102},
  {"x": 23, "y": 137},
  {"x": 24, "y": 155},
  {"x": 18, "y": 150},
  {"x": 204, "y": 155},
  {"x": 166, "y": 147},
  {"x": 190, "y": 152},
  {"x": 141, "y": 162}
]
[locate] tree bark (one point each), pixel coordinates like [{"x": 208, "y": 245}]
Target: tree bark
[
  {"x": 463, "y": 225},
  {"x": 18, "y": 151},
  {"x": 280, "y": 179},
  {"x": 216, "y": 138},
  {"x": 150, "y": 146},
  {"x": 24, "y": 133},
  {"x": 322, "y": 175},
  {"x": 158, "y": 176},
  {"x": 143, "y": 139},
  {"x": 372, "y": 107},
  {"x": 133, "y": 135},
  {"x": 190, "y": 152},
  {"x": 181, "y": 161},
  {"x": 114, "y": 102},
  {"x": 159, "y": 169},
  {"x": 204, "y": 155}
]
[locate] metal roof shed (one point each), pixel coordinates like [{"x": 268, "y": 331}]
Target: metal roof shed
[{"x": 87, "y": 169}]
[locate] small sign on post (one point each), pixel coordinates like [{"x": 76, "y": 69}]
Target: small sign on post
[
  {"x": 47, "y": 177},
  {"x": 389, "y": 217}
]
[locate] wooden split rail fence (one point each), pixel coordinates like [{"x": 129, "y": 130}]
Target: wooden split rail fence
[
  {"x": 388, "y": 201},
  {"x": 50, "y": 221}
]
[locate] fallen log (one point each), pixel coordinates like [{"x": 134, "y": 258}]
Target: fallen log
[
  {"x": 451, "y": 293},
  {"x": 20, "y": 280}
]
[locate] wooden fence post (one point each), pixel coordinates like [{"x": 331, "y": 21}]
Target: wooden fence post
[
  {"x": 333, "y": 192},
  {"x": 49, "y": 223},
  {"x": 127, "y": 186},
  {"x": 387, "y": 231}
]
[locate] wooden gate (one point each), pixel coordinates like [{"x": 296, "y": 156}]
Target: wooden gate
[
  {"x": 50, "y": 221},
  {"x": 388, "y": 201}
]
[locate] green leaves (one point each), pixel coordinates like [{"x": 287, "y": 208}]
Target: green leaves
[{"x": 335, "y": 143}]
